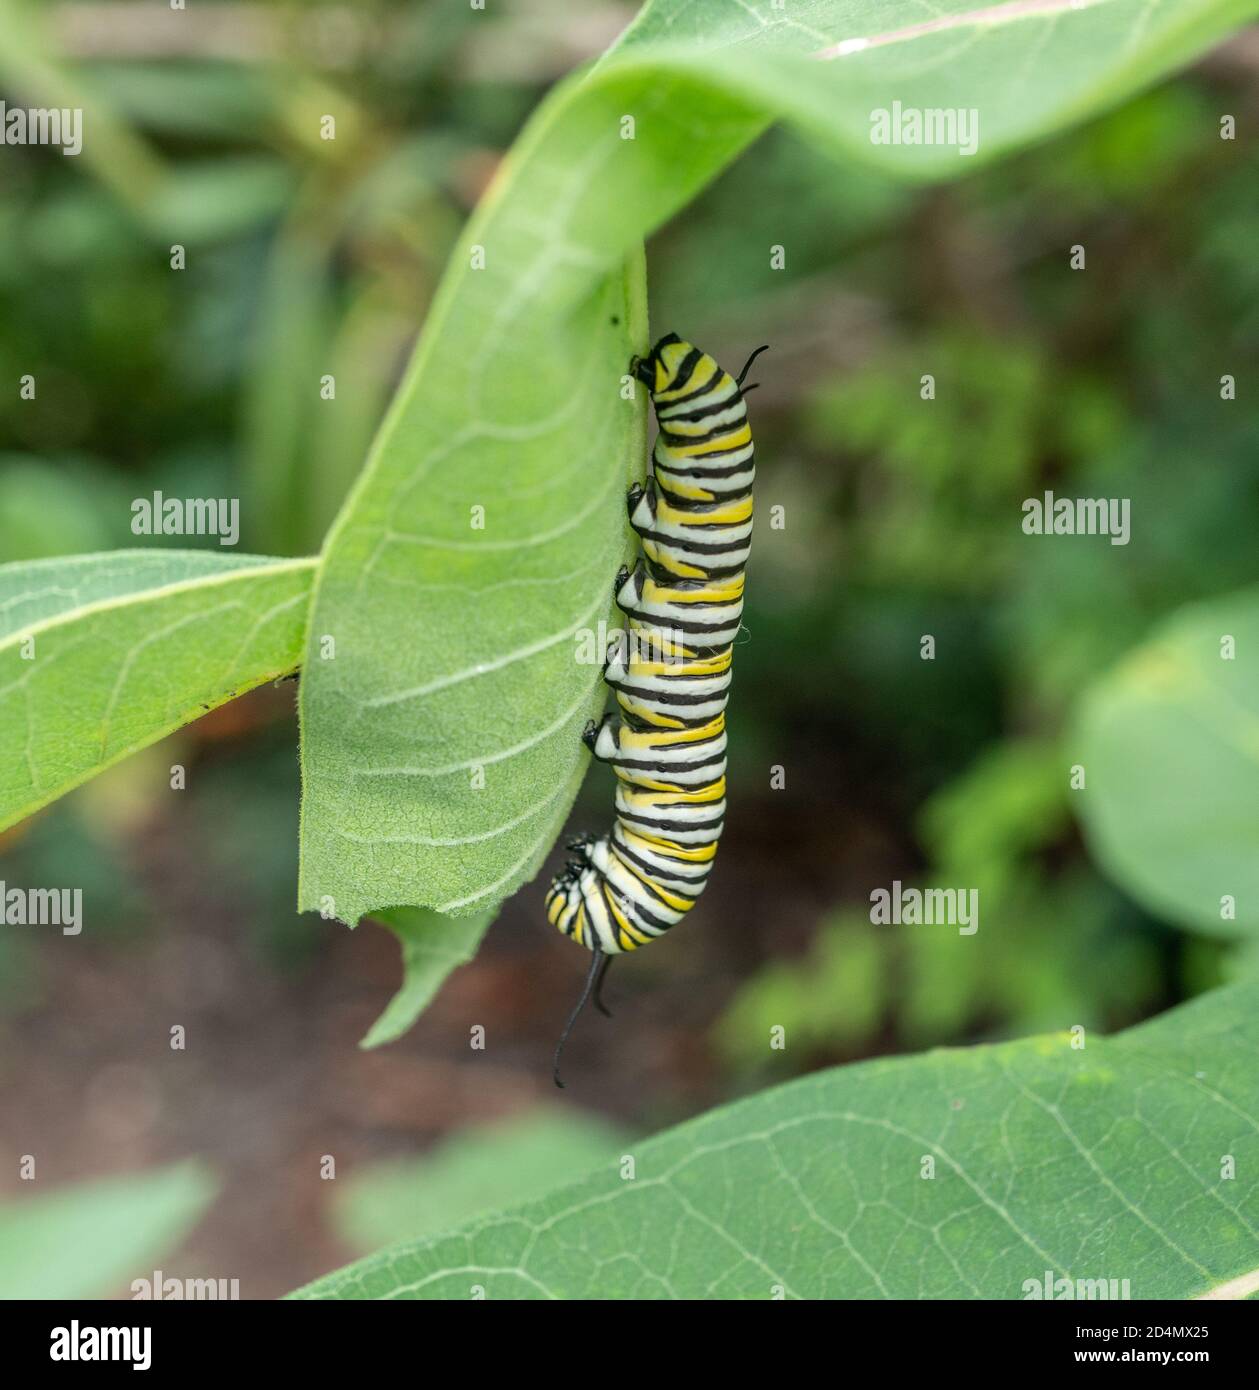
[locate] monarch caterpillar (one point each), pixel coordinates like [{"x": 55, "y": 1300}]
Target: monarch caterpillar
[{"x": 669, "y": 670}]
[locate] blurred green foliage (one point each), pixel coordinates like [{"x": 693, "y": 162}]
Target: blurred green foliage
[
  {"x": 305, "y": 256},
  {"x": 906, "y": 521},
  {"x": 483, "y": 1169},
  {"x": 90, "y": 1239},
  {"x": 1171, "y": 741}
]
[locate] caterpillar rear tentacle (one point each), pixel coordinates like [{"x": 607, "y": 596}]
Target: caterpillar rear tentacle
[{"x": 670, "y": 672}]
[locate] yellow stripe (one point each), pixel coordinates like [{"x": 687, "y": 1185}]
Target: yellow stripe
[
  {"x": 691, "y": 491},
  {"x": 732, "y": 514},
  {"x": 617, "y": 914},
  {"x": 718, "y": 406},
  {"x": 707, "y": 593},
  {"x": 706, "y": 374},
  {"x": 734, "y": 439},
  {"x": 656, "y": 841},
  {"x": 694, "y": 854},
  {"x": 662, "y": 640},
  {"x": 629, "y": 935},
  {"x": 648, "y": 716},
  {"x": 678, "y": 904},
  {"x": 700, "y": 666},
  {"x": 646, "y": 781},
  {"x": 651, "y": 740},
  {"x": 713, "y": 792},
  {"x": 671, "y": 563}
]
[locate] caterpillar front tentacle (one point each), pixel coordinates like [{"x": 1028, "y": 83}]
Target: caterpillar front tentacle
[
  {"x": 603, "y": 738},
  {"x": 629, "y": 586}
]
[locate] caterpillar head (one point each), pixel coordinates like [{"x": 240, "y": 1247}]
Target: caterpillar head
[{"x": 657, "y": 369}]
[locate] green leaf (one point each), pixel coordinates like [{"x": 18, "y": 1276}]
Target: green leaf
[
  {"x": 1104, "y": 1162},
  {"x": 1169, "y": 742},
  {"x": 104, "y": 654},
  {"x": 433, "y": 947},
  {"x": 1028, "y": 67},
  {"x": 481, "y": 1169},
  {"x": 454, "y": 640},
  {"x": 83, "y": 1241},
  {"x": 440, "y": 749}
]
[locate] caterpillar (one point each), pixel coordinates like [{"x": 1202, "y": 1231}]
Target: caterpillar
[{"x": 669, "y": 670}]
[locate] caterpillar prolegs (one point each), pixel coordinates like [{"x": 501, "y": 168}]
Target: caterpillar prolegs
[{"x": 670, "y": 668}]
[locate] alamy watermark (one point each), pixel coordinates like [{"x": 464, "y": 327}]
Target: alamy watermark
[
  {"x": 166, "y": 1287},
  {"x": 929, "y": 907},
  {"x": 42, "y": 125},
  {"x": 1079, "y": 516},
  {"x": 1068, "y": 1289},
  {"x": 595, "y": 645},
  {"x": 42, "y": 907},
  {"x": 931, "y": 125},
  {"x": 79, "y": 1342},
  {"x": 187, "y": 516}
]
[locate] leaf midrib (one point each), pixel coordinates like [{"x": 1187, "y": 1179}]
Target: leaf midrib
[{"x": 138, "y": 596}]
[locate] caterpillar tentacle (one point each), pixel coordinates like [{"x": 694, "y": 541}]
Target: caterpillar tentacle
[{"x": 670, "y": 671}]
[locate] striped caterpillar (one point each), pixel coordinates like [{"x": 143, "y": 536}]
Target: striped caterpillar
[{"x": 669, "y": 670}]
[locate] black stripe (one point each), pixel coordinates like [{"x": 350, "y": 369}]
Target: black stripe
[
  {"x": 649, "y": 916},
  {"x": 697, "y": 743},
  {"x": 676, "y": 448},
  {"x": 681, "y": 677},
  {"x": 646, "y": 763},
  {"x": 631, "y": 674},
  {"x": 686, "y": 602},
  {"x": 684, "y": 373},
  {"x": 725, "y": 453},
  {"x": 674, "y": 788},
  {"x": 708, "y": 652},
  {"x": 608, "y": 892},
  {"x": 687, "y": 504},
  {"x": 653, "y": 886},
  {"x": 666, "y": 769},
  {"x": 667, "y": 412},
  {"x": 685, "y": 583},
  {"x": 692, "y": 812},
  {"x": 748, "y": 465},
  {"x": 693, "y": 632},
  {"x": 697, "y": 723},
  {"x": 641, "y": 889},
  {"x": 671, "y": 827},
  {"x": 703, "y": 547},
  {"x": 664, "y": 874},
  {"x": 683, "y": 624},
  {"x": 697, "y": 652},
  {"x": 709, "y": 385},
  {"x": 664, "y": 698},
  {"x": 693, "y": 508},
  {"x": 699, "y": 547},
  {"x": 645, "y": 726},
  {"x": 691, "y": 619},
  {"x": 691, "y": 592},
  {"x": 662, "y": 575},
  {"x": 655, "y": 869},
  {"x": 686, "y": 440}
]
